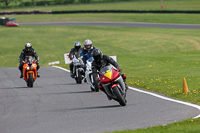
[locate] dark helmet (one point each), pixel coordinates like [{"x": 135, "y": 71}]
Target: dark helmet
[
  {"x": 77, "y": 45},
  {"x": 28, "y": 46},
  {"x": 97, "y": 54}
]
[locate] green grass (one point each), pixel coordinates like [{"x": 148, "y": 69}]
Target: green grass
[
  {"x": 187, "y": 126},
  {"x": 132, "y": 5},
  {"x": 151, "y": 18}
]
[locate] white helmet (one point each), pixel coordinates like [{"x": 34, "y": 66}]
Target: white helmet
[
  {"x": 28, "y": 46},
  {"x": 87, "y": 44}
]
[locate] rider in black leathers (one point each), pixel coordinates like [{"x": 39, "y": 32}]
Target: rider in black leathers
[
  {"x": 28, "y": 51},
  {"x": 74, "y": 51},
  {"x": 101, "y": 61}
]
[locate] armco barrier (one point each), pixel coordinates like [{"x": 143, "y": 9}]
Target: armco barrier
[{"x": 102, "y": 11}]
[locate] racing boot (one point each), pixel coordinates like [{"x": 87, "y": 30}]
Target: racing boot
[
  {"x": 127, "y": 87},
  {"x": 109, "y": 98},
  {"x": 21, "y": 76},
  {"x": 38, "y": 74},
  {"x": 101, "y": 88},
  {"x": 72, "y": 75},
  {"x": 124, "y": 78},
  {"x": 85, "y": 80}
]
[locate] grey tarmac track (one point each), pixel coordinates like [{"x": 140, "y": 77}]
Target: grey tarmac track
[
  {"x": 127, "y": 24},
  {"x": 56, "y": 104}
]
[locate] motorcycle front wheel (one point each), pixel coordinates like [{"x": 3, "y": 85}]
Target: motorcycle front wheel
[
  {"x": 78, "y": 77},
  {"x": 30, "y": 80},
  {"x": 120, "y": 99}
]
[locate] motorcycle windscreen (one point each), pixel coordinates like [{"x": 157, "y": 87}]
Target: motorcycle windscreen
[
  {"x": 29, "y": 59},
  {"x": 108, "y": 74}
]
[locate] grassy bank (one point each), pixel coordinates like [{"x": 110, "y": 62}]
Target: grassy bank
[
  {"x": 109, "y": 17},
  {"x": 187, "y": 126},
  {"x": 131, "y": 5}
]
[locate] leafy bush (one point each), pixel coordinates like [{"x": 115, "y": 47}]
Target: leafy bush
[
  {"x": 28, "y": 3},
  {"x": 84, "y": 1},
  {"x": 58, "y": 1},
  {"x": 64, "y": 1},
  {"x": 42, "y": 3}
]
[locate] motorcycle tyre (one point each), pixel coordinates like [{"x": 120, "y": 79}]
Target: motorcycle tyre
[
  {"x": 120, "y": 99},
  {"x": 79, "y": 78},
  {"x": 30, "y": 80},
  {"x": 96, "y": 86}
]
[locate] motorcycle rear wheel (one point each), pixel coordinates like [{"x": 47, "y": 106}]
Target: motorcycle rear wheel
[
  {"x": 95, "y": 84},
  {"x": 120, "y": 99}
]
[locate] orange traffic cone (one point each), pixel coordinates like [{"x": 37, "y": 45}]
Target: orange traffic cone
[
  {"x": 185, "y": 87},
  {"x": 162, "y": 6}
]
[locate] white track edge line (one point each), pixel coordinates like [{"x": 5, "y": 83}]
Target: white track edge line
[
  {"x": 155, "y": 95},
  {"x": 61, "y": 68},
  {"x": 169, "y": 99}
]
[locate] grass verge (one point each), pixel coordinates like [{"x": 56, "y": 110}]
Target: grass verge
[
  {"x": 111, "y": 17},
  {"x": 187, "y": 126},
  {"x": 131, "y": 5}
]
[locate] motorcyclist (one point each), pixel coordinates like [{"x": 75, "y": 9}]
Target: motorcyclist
[
  {"x": 86, "y": 51},
  {"x": 74, "y": 51},
  {"x": 101, "y": 61},
  {"x": 28, "y": 51}
]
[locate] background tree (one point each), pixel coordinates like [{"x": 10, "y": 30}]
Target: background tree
[
  {"x": 7, "y": 2},
  {"x": 84, "y": 1}
]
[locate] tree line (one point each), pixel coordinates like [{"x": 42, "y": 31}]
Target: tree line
[{"x": 6, "y": 3}]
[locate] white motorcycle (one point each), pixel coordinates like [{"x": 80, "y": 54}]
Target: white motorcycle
[
  {"x": 78, "y": 69},
  {"x": 89, "y": 77}
]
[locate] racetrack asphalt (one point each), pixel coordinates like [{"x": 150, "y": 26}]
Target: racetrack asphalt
[
  {"x": 127, "y": 24},
  {"x": 56, "y": 104}
]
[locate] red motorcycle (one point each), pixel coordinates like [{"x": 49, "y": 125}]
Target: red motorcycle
[
  {"x": 113, "y": 84},
  {"x": 29, "y": 71}
]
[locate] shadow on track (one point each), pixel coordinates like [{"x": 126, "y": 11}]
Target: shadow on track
[
  {"x": 15, "y": 87},
  {"x": 97, "y": 107},
  {"x": 88, "y": 108},
  {"x": 75, "y": 92},
  {"x": 67, "y": 84}
]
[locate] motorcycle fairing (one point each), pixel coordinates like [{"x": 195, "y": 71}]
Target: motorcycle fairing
[
  {"x": 108, "y": 88},
  {"x": 108, "y": 74},
  {"x": 29, "y": 68},
  {"x": 111, "y": 78}
]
